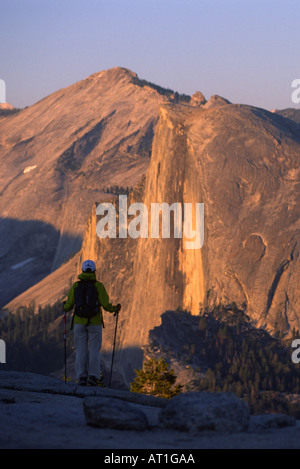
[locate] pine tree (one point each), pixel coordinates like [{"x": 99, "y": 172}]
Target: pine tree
[{"x": 156, "y": 379}]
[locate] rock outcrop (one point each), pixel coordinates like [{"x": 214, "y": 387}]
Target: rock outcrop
[
  {"x": 106, "y": 412},
  {"x": 42, "y": 412},
  {"x": 198, "y": 99},
  {"x": 206, "y": 411},
  {"x": 6, "y": 107}
]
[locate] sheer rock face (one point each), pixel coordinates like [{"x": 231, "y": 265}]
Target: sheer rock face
[
  {"x": 243, "y": 164},
  {"x": 249, "y": 173}
]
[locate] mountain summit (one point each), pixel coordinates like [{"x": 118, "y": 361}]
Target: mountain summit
[{"x": 57, "y": 158}]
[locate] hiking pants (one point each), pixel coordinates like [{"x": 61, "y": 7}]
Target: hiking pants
[{"x": 87, "y": 341}]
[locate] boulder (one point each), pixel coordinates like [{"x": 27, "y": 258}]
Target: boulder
[
  {"x": 196, "y": 411},
  {"x": 106, "y": 412},
  {"x": 268, "y": 421},
  {"x": 198, "y": 99}
]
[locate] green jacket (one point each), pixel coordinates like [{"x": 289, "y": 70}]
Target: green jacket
[{"x": 102, "y": 298}]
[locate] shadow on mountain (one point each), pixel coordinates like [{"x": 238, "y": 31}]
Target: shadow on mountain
[
  {"x": 178, "y": 330},
  {"x": 27, "y": 250},
  {"x": 125, "y": 362},
  {"x": 171, "y": 339},
  {"x": 192, "y": 340}
]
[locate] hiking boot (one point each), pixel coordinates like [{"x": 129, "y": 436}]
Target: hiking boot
[
  {"x": 82, "y": 381},
  {"x": 92, "y": 381},
  {"x": 101, "y": 380}
]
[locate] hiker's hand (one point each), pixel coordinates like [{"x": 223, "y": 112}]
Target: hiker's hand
[
  {"x": 118, "y": 309},
  {"x": 63, "y": 305}
]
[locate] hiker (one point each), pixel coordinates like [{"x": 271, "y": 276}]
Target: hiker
[{"x": 88, "y": 296}]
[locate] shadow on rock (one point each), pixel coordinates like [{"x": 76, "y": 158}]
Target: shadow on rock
[{"x": 27, "y": 250}]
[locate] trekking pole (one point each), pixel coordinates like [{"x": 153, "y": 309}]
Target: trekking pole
[
  {"x": 65, "y": 343},
  {"x": 113, "y": 352}
]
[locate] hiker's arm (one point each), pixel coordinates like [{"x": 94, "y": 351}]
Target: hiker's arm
[
  {"x": 104, "y": 299},
  {"x": 69, "y": 304}
]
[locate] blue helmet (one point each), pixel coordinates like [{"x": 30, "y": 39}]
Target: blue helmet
[{"x": 88, "y": 265}]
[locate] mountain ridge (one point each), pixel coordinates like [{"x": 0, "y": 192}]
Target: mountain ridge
[{"x": 58, "y": 156}]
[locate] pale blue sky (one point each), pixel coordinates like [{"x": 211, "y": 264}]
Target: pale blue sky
[{"x": 246, "y": 51}]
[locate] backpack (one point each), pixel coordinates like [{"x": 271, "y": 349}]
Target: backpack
[{"x": 86, "y": 299}]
